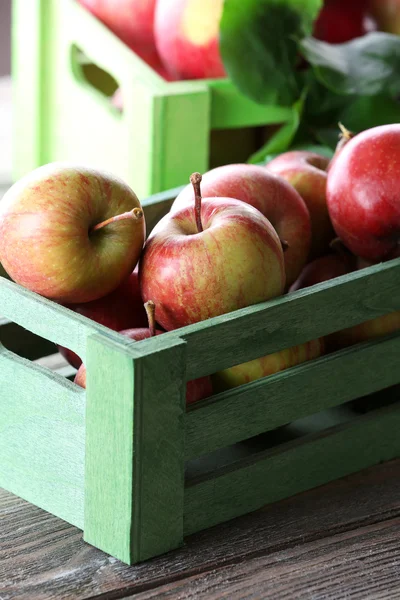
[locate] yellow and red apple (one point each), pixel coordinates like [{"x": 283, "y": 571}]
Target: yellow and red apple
[
  {"x": 187, "y": 37},
  {"x": 70, "y": 233}
]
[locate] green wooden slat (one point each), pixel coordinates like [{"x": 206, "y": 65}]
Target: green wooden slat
[
  {"x": 292, "y": 468},
  {"x": 134, "y": 479},
  {"x": 48, "y": 319},
  {"x": 42, "y": 437},
  {"x": 265, "y": 328},
  {"x": 303, "y": 390}
]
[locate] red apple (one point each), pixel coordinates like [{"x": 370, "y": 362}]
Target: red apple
[
  {"x": 306, "y": 172},
  {"x": 267, "y": 365},
  {"x": 121, "y": 309},
  {"x": 363, "y": 193},
  {"x": 328, "y": 267},
  {"x": 70, "y": 233},
  {"x": 321, "y": 269},
  {"x": 196, "y": 390},
  {"x": 131, "y": 20},
  {"x": 387, "y": 14},
  {"x": 272, "y": 196},
  {"x": 187, "y": 37},
  {"x": 204, "y": 262},
  {"x": 343, "y": 20}
]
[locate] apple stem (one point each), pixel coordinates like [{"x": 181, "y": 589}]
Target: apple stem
[
  {"x": 195, "y": 180},
  {"x": 285, "y": 245},
  {"x": 150, "y": 308},
  {"x": 344, "y": 137},
  {"x": 136, "y": 214}
]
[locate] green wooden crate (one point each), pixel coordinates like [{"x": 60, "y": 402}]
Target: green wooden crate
[
  {"x": 66, "y": 64},
  {"x": 137, "y": 472}
]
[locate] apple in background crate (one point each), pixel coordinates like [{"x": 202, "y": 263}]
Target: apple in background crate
[
  {"x": 343, "y": 20},
  {"x": 187, "y": 37},
  {"x": 272, "y": 196},
  {"x": 132, "y": 21},
  {"x": 70, "y": 233},
  {"x": 387, "y": 14},
  {"x": 206, "y": 262}
]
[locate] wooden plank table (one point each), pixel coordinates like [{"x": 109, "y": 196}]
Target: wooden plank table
[{"x": 338, "y": 541}]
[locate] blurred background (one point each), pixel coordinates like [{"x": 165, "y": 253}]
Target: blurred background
[{"x": 5, "y": 94}]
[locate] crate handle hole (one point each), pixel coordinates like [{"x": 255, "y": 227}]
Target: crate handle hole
[{"x": 90, "y": 74}]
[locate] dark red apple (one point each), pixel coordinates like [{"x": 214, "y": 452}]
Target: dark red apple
[
  {"x": 343, "y": 20},
  {"x": 196, "y": 390},
  {"x": 363, "y": 193},
  {"x": 122, "y": 309}
]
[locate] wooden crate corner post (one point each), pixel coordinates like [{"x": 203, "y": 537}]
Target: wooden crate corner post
[{"x": 134, "y": 474}]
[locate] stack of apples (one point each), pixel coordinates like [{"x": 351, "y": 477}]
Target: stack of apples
[
  {"x": 180, "y": 38},
  {"x": 237, "y": 236}
]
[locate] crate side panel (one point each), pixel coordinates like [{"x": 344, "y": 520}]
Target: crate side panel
[
  {"x": 292, "y": 394},
  {"x": 302, "y": 465},
  {"x": 42, "y": 437}
]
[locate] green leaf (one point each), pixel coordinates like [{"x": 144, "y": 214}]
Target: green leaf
[
  {"x": 259, "y": 46},
  {"x": 284, "y": 137},
  {"x": 366, "y": 66}
]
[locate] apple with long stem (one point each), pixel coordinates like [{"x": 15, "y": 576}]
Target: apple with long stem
[
  {"x": 307, "y": 173},
  {"x": 187, "y": 37},
  {"x": 267, "y": 365},
  {"x": 363, "y": 193},
  {"x": 70, "y": 233},
  {"x": 274, "y": 197},
  {"x": 121, "y": 309},
  {"x": 196, "y": 389},
  {"x": 210, "y": 258}
]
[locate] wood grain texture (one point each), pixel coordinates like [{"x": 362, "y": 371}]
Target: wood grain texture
[
  {"x": 134, "y": 489},
  {"x": 42, "y": 557},
  {"x": 279, "y": 399},
  {"x": 358, "y": 564},
  {"x": 290, "y": 468},
  {"x": 42, "y": 437}
]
